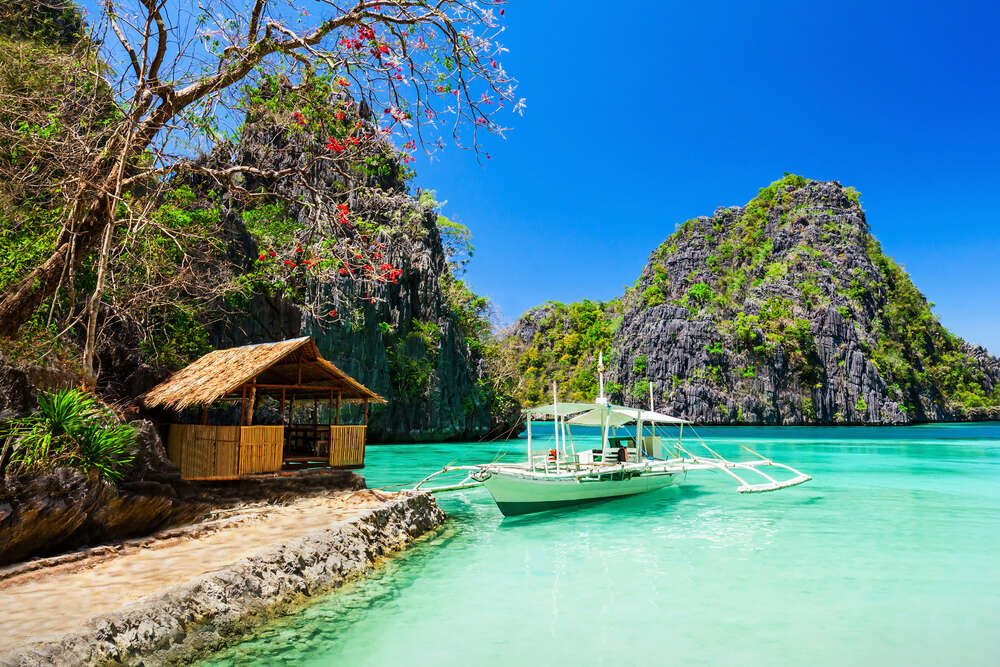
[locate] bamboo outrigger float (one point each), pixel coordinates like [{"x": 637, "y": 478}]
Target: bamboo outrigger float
[{"x": 623, "y": 465}]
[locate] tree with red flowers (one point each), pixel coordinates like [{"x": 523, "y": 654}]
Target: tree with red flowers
[{"x": 412, "y": 75}]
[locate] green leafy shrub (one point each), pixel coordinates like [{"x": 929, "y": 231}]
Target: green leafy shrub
[
  {"x": 413, "y": 358},
  {"x": 640, "y": 391},
  {"x": 653, "y": 296},
  {"x": 715, "y": 348},
  {"x": 71, "y": 429},
  {"x": 699, "y": 293},
  {"x": 639, "y": 364}
]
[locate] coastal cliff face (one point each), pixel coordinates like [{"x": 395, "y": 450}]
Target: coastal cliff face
[
  {"x": 407, "y": 343},
  {"x": 782, "y": 311},
  {"x": 419, "y": 340}
]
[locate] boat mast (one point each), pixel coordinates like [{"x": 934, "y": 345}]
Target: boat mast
[
  {"x": 652, "y": 424},
  {"x": 531, "y": 463},
  {"x": 600, "y": 374},
  {"x": 555, "y": 421},
  {"x": 602, "y": 401}
]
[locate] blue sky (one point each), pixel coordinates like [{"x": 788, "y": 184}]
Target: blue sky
[{"x": 643, "y": 115}]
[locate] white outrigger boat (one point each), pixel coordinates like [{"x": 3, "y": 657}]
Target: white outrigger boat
[{"x": 561, "y": 474}]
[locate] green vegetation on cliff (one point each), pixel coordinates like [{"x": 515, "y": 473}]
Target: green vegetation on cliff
[
  {"x": 564, "y": 346},
  {"x": 784, "y": 310},
  {"x": 916, "y": 350}
]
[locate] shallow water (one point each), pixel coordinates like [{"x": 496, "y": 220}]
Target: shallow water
[{"x": 891, "y": 555}]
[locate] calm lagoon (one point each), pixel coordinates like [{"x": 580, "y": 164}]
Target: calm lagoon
[{"x": 891, "y": 555}]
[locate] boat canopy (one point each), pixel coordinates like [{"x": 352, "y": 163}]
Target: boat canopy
[
  {"x": 561, "y": 409},
  {"x": 594, "y": 414},
  {"x": 619, "y": 416}
]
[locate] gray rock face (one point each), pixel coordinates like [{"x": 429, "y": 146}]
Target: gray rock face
[
  {"x": 66, "y": 508},
  {"x": 786, "y": 312},
  {"x": 17, "y": 394},
  {"x": 209, "y": 612}
]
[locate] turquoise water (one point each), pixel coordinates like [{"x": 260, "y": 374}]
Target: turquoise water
[{"x": 890, "y": 556}]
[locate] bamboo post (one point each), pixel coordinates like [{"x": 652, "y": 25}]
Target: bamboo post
[
  {"x": 253, "y": 402},
  {"x": 203, "y": 417},
  {"x": 315, "y": 412},
  {"x": 243, "y": 405},
  {"x": 338, "y": 408},
  {"x": 365, "y": 420},
  {"x": 281, "y": 407},
  {"x": 329, "y": 412}
]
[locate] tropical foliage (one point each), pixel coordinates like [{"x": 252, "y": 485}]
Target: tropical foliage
[
  {"x": 71, "y": 428},
  {"x": 568, "y": 340}
]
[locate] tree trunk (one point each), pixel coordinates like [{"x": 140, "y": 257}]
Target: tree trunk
[
  {"x": 94, "y": 306},
  {"x": 19, "y": 301}
]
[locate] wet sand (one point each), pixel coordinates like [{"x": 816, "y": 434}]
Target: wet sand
[{"x": 51, "y": 601}]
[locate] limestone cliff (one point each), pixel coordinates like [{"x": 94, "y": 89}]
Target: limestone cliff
[
  {"x": 783, "y": 311},
  {"x": 416, "y": 341}
]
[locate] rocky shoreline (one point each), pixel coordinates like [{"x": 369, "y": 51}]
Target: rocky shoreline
[{"x": 217, "y": 608}]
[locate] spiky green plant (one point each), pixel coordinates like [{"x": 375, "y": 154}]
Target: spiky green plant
[{"x": 71, "y": 429}]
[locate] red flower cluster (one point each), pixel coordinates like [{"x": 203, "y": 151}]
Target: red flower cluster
[
  {"x": 343, "y": 212},
  {"x": 299, "y": 118},
  {"x": 288, "y": 262},
  {"x": 364, "y": 34},
  {"x": 341, "y": 81},
  {"x": 334, "y": 145},
  {"x": 390, "y": 273},
  {"x": 333, "y": 313}
]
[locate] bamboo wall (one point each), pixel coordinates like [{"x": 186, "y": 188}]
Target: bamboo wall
[
  {"x": 261, "y": 448},
  {"x": 347, "y": 446},
  {"x": 224, "y": 452}
]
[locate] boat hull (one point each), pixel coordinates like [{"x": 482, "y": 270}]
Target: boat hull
[{"x": 517, "y": 494}]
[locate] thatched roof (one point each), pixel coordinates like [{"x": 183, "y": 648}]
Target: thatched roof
[{"x": 294, "y": 365}]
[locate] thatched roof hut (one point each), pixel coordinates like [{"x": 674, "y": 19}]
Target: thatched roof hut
[
  {"x": 291, "y": 371},
  {"x": 269, "y": 367}
]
